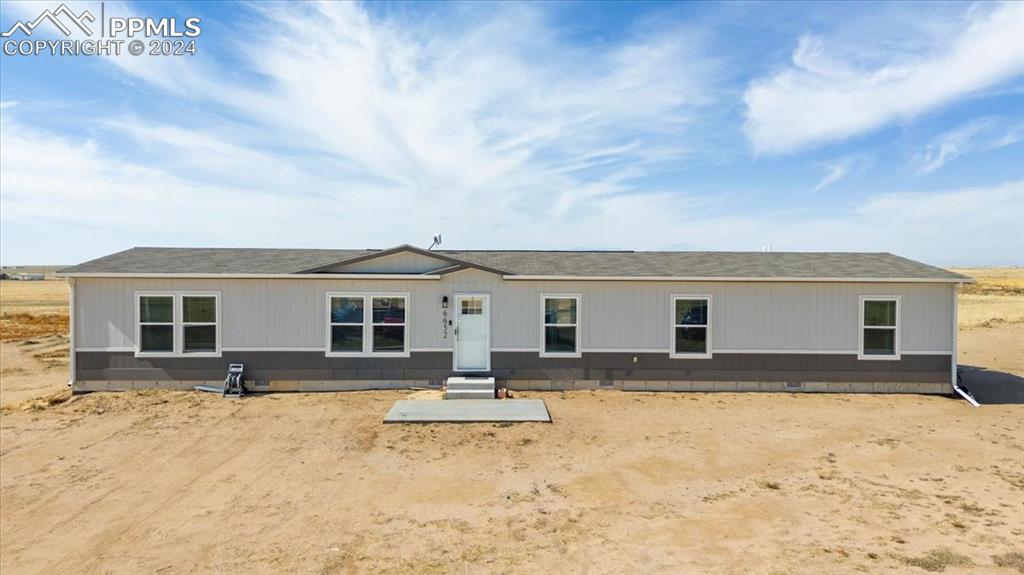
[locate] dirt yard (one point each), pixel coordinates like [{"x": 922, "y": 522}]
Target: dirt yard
[
  {"x": 33, "y": 339},
  {"x": 174, "y": 482},
  {"x": 180, "y": 482}
]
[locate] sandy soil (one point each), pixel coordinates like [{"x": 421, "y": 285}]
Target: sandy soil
[
  {"x": 33, "y": 339},
  {"x": 313, "y": 483},
  {"x": 32, "y": 368},
  {"x": 999, "y": 347}
]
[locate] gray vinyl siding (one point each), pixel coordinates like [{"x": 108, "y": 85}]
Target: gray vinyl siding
[{"x": 270, "y": 314}]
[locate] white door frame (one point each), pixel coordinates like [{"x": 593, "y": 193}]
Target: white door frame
[{"x": 457, "y": 312}]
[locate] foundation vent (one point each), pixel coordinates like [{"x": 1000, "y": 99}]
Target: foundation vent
[{"x": 794, "y": 385}]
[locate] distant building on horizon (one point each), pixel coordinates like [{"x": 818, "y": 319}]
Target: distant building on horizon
[{"x": 26, "y": 276}]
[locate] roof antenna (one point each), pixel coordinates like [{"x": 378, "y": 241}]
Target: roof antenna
[{"x": 437, "y": 242}]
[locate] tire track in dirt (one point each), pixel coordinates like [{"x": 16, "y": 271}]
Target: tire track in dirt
[{"x": 176, "y": 489}]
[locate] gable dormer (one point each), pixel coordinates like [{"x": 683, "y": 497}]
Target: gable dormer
[
  {"x": 396, "y": 263},
  {"x": 404, "y": 259}
]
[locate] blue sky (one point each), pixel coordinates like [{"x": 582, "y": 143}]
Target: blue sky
[{"x": 822, "y": 127}]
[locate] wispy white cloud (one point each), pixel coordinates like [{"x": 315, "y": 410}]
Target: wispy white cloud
[
  {"x": 953, "y": 206},
  {"x": 115, "y": 198},
  {"x": 332, "y": 127},
  {"x": 92, "y": 188},
  {"x": 497, "y": 122},
  {"x": 840, "y": 168},
  {"x": 514, "y": 108},
  {"x": 824, "y": 96},
  {"x": 943, "y": 227},
  {"x": 836, "y": 172},
  {"x": 987, "y": 133}
]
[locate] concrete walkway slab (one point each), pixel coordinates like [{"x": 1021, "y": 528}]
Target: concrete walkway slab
[{"x": 467, "y": 411}]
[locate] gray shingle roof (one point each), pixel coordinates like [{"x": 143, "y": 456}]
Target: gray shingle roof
[
  {"x": 710, "y": 264},
  {"x": 212, "y": 261},
  {"x": 880, "y": 266}
]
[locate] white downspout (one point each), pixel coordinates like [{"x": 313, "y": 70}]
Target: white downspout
[
  {"x": 71, "y": 333},
  {"x": 956, "y": 329}
]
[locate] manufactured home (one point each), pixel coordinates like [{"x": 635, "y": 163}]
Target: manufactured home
[{"x": 319, "y": 320}]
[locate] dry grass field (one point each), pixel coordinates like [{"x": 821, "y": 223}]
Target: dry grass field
[
  {"x": 30, "y": 309},
  {"x": 991, "y": 317},
  {"x": 996, "y": 297},
  {"x": 175, "y": 482}
]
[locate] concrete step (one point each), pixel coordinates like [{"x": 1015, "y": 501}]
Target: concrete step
[
  {"x": 469, "y": 394},
  {"x": 471, "y": 386},
  {"x": 470, "y": 383}
]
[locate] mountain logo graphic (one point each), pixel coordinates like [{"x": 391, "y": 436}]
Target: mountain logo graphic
[{"x": 62, "y": 10}]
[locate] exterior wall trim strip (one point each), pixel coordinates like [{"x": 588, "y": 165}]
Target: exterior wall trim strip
[
  {"x": 733, "y": 279},
  {"x": 328, "y": 276},
  {"x": 271, "y": 348},
  {"x": 534, "y": 350}
]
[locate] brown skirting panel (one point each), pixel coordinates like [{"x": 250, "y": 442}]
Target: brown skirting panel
[{"x": 599, "y": 367}]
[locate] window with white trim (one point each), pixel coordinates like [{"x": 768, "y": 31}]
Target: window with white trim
[
  {"x": 691, "y": 326},
  {"x": 198, "y": 324},
  {"x": 389, "y": 324},
  {"x": 156, "y": 324},
  {"x": 177, "y": 323},
  {"x": 561, "y": 325},
  {"x": 367, "y": 324},
  {"x": 879, "y": 327},
  {"x": 346, "y": 324}
]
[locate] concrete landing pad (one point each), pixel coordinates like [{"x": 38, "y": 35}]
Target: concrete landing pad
[{"x": 467, "y": 411}]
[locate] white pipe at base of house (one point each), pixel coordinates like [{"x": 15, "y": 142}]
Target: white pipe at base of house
[
  {"x": 953, "y": 366},
  {"x": 966, "y": 395}
]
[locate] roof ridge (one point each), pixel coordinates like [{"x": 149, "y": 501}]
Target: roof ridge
[
  {"x": 254, "y": 249},
  {"x": 525, "y": 251}
]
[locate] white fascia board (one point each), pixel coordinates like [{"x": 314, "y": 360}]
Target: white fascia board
[
  {"x": 257, "y": 276},
  {"x": 733, "y": 279},
  {"x": 507, "y": 277}
]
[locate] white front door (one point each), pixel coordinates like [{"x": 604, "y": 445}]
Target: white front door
[{"x": 472, "y": 332}]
